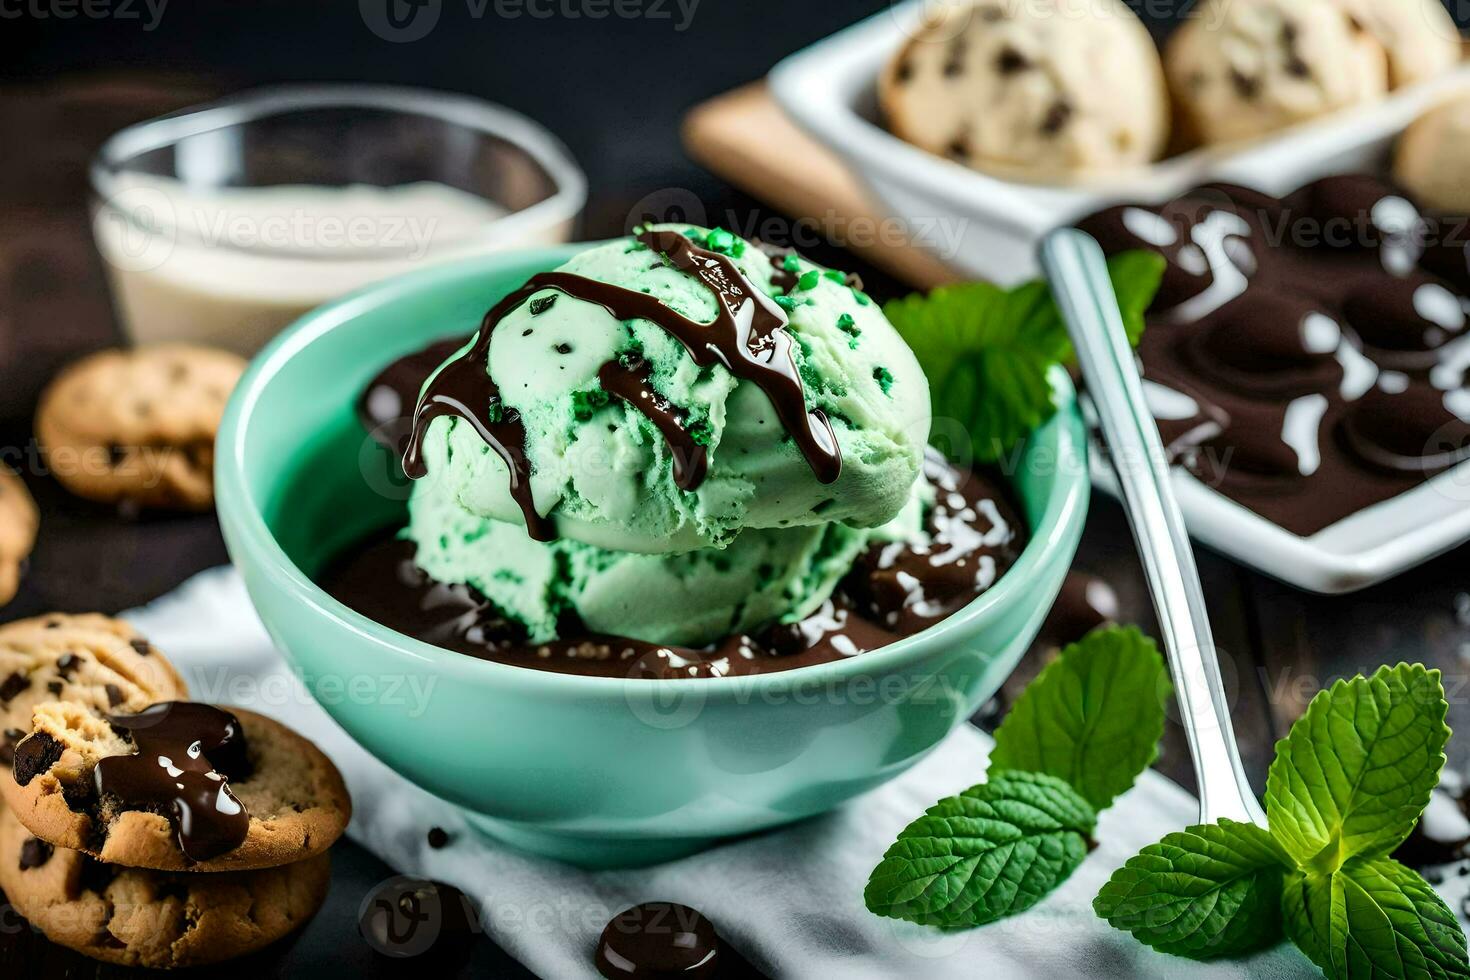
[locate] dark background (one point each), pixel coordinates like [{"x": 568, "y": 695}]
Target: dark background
[{"x": 615, "y": 90}]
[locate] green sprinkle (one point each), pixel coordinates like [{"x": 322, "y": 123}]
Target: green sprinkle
[
  {"x": 848, "y": 325},
  {"x": 884, "y": 377},
  {"x": 786, "y": 303},
  {"x": 586, "y": 403},
  {"x": 720, "y": 240},
  {"x": 861, "y": 297},
  {"x": 809, "y": 280},
  {"x": 791, "y": 263},
  {"x": 835, "y": 275}
]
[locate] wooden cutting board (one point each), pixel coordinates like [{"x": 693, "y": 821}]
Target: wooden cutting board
[{"x": 745, "y": 138}]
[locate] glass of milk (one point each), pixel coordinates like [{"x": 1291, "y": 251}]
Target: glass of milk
[{"x": 222, "y": 224}]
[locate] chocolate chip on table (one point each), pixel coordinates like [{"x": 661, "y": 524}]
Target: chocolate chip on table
[
  {"x": 34, "y": 853},
  {"x": 660, "y": 939},
  {"x": 35, "y": 754}
]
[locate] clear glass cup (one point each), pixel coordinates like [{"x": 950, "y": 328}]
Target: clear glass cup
[{"x": 223, "y": 223}]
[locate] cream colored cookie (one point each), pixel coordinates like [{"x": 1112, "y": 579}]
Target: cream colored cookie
[
  {"x": 100, "y": 663},
  {"x": 1432, "y": 160},
  {"x": 1038, "y": 89},
  {"x": 294, "y": 796},
  {"x": 153, "y": 918},
  {"x": 139, "y": 425},
  {"x": 19, "y": 522},
  {"x": 1420, "y": 36},
  {"x": 1240, "y": 69}
]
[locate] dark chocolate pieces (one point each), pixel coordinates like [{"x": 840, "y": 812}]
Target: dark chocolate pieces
[
  {"x": 35, "y": 754},
  {"x": 173, "y": 771},
  {"x": 659, "y": 941}
]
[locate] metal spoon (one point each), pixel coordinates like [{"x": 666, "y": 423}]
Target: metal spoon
[{"x": 1079, "y": 279}]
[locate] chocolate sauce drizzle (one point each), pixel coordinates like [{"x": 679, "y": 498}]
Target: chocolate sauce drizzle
[
  {"x": 748, "y": 337},
  {"x": 172, "y": 769}
]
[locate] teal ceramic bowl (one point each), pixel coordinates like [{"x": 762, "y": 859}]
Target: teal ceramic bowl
[{"x": 595, "y": 771}]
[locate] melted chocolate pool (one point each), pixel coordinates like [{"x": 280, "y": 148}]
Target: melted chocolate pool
[
  {"x": 1306, "y": 355},
  {"x": 893, "y": 590}
]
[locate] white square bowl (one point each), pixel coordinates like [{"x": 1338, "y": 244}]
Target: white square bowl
[{"x": 989, "y": 228}]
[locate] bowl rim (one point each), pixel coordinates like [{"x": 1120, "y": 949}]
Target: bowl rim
[
  {"x": 568, "y": 181},
  {"x": 1055, "y": 530}
]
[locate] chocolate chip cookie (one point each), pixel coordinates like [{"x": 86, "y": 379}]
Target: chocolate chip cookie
[
  {"x": 243, "y": 791},
  {"x": 97, "y": 662},
  {"x": 19, "y": 521},
  {"x": 138, "y": 426},
  {"x": 151, "y": 918}
]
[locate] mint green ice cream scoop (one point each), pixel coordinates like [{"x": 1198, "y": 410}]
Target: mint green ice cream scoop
[{"x": 753, "y": 394}]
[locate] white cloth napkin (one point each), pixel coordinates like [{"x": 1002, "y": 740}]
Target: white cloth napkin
[{"x": 789, "y": 900}]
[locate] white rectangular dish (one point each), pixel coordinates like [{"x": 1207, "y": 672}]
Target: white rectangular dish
[
  {"x": 996, "y": 224},
  {"x": 989, "y": 227}
]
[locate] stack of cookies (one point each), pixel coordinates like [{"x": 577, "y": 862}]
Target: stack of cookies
[{"x": 142, "y": 829}]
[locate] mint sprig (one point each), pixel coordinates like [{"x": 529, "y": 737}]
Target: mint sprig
[
  {"x": 1083, "y": 719},
  {"x": 993, "y": 851},
  {"x": 1348, "y": 784},
  {"x": 1206, "y": 891},
  {"x": 1357, "y": 769},
  {"x": 987, "y": 350},
  {"x": 1000, "y": 847}
]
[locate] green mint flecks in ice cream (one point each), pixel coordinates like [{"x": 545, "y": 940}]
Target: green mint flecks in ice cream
[
  {"x": 653, "y": 396},
  {"x": 690, "y": 599}
]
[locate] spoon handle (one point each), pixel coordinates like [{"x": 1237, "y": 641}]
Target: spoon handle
[{"x": 1079, "y": 280}]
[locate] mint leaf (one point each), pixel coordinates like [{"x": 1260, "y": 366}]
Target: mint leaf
[
  {"x": 986, "y": 350},
  {"x": 1356, "y": 770},
  {"x": 994, "y": 850},
  {"x": 1373, "y": 918},
  {"x": 1093, "y": 717},
  {"x": 1212, "y": 890},
  {"x": 1307, "y": 911}
]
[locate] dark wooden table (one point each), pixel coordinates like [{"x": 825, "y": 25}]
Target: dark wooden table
[{"x": 1280, "y": 646}]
